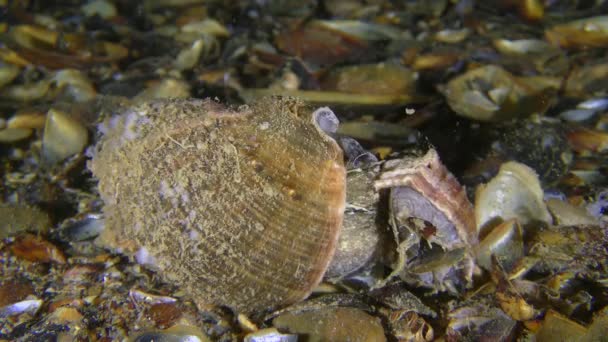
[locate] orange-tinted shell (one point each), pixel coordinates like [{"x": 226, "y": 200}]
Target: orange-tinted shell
[{"x": 240, "y": 208}]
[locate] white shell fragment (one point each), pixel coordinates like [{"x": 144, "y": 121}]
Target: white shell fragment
[
  {"x": 270, "y": 335},
  {"x": 189, "y": 56},
  {"x": 167, "y": 88},
  {"x": 75, "y": 85},
  {"x": 102, "y": 8},
  {"x": 567, "y": 214},
  {"x": 63, "y": 136},
  {"x": 522, "y": 46},
  {"x": 30, "y": 306},
  {"x": 514, "y": 192}
]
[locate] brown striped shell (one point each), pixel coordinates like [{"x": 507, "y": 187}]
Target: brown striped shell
[
  {"x": 240, "y": 208},
  {"x": 424, "y": 188}
]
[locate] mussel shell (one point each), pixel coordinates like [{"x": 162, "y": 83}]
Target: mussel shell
[{"x": 240, "y": 208}]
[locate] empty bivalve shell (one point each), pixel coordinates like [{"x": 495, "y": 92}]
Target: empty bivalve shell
[{"x": 238, "y": 207}]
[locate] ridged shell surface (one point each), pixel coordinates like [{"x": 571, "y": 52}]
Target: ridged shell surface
[
  {"x": 240, "y": 208},
  {"x": 428, "y": 190}
]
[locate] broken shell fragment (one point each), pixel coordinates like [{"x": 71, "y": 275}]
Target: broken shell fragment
[
  {"x": 452, "y": 36},
  {"x": 480, "y": 319},
  {"x": 332, "y": 324},
  {"x": 522, "y": 46},
  {"x": 63, "y": 136},
  {"x": 515, "y": 192},
  {"x": 75, "y": 85},
  {"x": 377, "y": 79},
  {"x": 327, "y": 42},
  {"x": 422, "y": 187},
  {"x": 584, "y": 33},
  {"x": 557, "y": 327},
  {"x": 30, "y": 306},
  {"x": 514, "y": 305},
  {"x": 566, "y": 214},
  {"x": 241, "y": 208},
  {"x": 543, "y": 55},
  {"x": 42, "y": 46},
  {"x": 505, "y": 242},
  {"x": 8, "y": 73},
  {"x": 165, "y": 88},
  {"x": 177, "y": 333},
  {"x": 409, "y": 326},
  {"x": 27, "y": 119},
  {"x": 490, "y": 93},
  {"x": 428, "y": 204},
  {"x": 585, "y": 139},
  {"x": 587, "y": 79},
  {"x": 270, "y": 334},
  {"x": 11, "y": 135},
  {"x": 36, "y": 249},
  {"x": 104, "y": 9}
]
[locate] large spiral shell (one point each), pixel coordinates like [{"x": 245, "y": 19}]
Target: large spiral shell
[{"x": 240, "y": 208}]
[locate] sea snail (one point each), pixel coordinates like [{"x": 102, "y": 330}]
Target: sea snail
[{"x": 238, "y": 207}]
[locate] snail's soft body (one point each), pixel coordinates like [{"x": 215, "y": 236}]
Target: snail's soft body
[{"x": 239, "y": 208}]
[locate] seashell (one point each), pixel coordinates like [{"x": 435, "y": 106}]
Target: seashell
[
  {"x": 36, "y": 249},
  {"x": 583, "y": 33},
  {"x": 557, "y": 327},
  {"x": 429, "y": 191},
  {"x": 407, "y": 325},
  {"x": 177, "y": 333},
  {"x": 102, "y": 8},
  {"x": 452, "y": 36},
  {"x": 566, "y": 214},
  {"x": 479, "y": 318},
  {"x": 428, "y": 204},
  {"x": 515, "y": 192},
  {"x": 63, "y": 136},
  {"x": 492, "y": 94},
  {"x": 504, "y": 242},
  {"x": 521, "y": 47},
  {"x": 11, "y": 135},
  {"x": 585, "y": 139},
  {"x": 8, "y": 73},
  {"x": 587, "y": 79},
  {"x": 332, "y": 324},
  {"x": 378, "y": 79},
  {"x": 240, "y": 208},
  {"x": 30, "y": 306}
]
